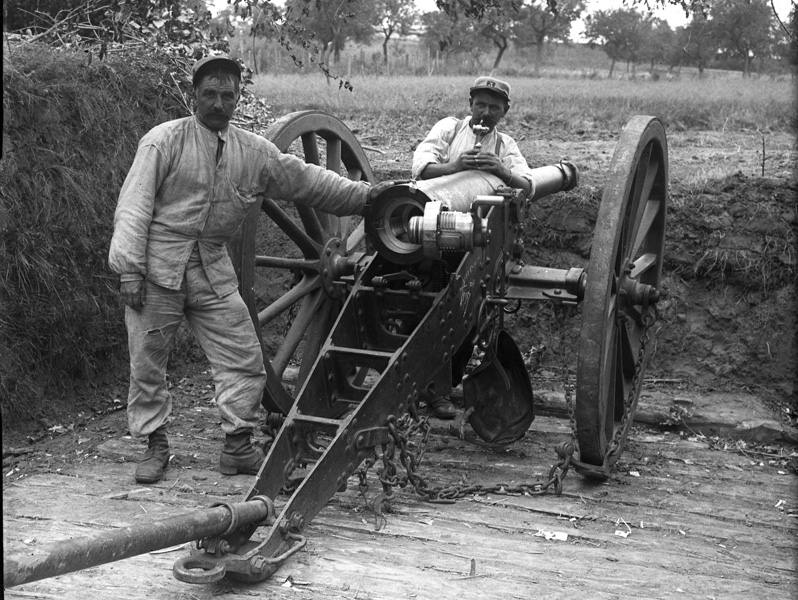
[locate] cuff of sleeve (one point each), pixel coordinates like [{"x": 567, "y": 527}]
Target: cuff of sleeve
[
  {"x": 531, "y": 185},
  {"x": 418, "y": 168},
  {"x": 125, "y": 277}
]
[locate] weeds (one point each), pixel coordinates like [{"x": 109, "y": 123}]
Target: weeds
[
  {"x": 70, "y": 132},
  {"x": 565, "y": 104}
]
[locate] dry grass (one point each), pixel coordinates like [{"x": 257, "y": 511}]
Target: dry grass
[
  {"x": 606, "y": 105},
  {"x": 69, "y": 134}
]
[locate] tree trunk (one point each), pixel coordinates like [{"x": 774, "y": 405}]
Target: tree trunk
[
  {"x": 385, "y": 51},
  {"x": 254, "y": 56},
  {"x": 538, "y": 58},
  {"x": 499, "y": 57},
  {"x": 612, "y": 66}
]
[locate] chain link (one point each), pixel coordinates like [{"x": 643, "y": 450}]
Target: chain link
[
  {"x": 615, "y": 447},
  {"x": 402, "y": 433},
  {"x": 559, "y": 317}
]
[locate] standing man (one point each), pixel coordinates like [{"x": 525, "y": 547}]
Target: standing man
[
  {"x": 473, "y": 143},
  {"x": 187, "y": 193}
]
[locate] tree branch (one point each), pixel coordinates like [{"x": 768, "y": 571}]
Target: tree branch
[{"x": 790, "y": 34}]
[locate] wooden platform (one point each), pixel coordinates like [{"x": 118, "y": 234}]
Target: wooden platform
[{"x": 679, "y": 519}]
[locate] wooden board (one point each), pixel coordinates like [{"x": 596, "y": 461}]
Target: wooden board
[{"x": 699, "y": 523}]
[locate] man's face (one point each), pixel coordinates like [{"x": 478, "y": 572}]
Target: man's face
[
  {"x": 216, "y": 100},
  {"x": 487, "y": 109}
]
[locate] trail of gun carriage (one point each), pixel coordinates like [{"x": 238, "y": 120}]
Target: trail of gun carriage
[{"x": 619, "y": 346}]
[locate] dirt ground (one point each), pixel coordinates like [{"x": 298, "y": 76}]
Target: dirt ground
[
  {"x": 729, "y": 316},
  {"x": 714, "y": 514}
]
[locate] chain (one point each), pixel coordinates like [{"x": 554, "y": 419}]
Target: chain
[
  {"x": 403, "y": 430},
  {"x": 559, "y": 317},
  {"x": 615, "y": 446},
  {"x": 648, "y": 319}
]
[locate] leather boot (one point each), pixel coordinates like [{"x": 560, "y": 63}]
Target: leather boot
[
  {"x": 156, "y": 459},
  {"x": 443, "y": 408},
  {"x": 239, "y": 455}
]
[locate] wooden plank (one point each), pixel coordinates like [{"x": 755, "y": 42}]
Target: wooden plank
[{"x": 700, "y": 522}]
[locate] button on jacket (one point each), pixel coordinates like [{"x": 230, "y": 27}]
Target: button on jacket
[{"x": 177, "y": 196}]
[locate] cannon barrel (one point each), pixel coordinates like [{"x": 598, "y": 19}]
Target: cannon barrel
[
  {"x": 388, "y": 217},
  {"x": 67, "y": 556},
  {"x": 458, "y": 190},
  {"x": 552, "y": 179}
]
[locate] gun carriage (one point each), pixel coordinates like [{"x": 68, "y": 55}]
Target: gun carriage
[{"x": 386, "y": 313}]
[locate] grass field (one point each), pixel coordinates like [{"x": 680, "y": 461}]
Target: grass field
[{"x": 573, "y": 104}]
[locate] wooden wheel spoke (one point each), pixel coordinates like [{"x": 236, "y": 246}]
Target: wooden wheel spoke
[
  {"x": 292, "y": 264},
  {"x": 647, "y": 218},
  {"x": 291, "y": 297},
  {"x": 313, "y": 225},
  {"x": 626, "y": 351},
  {"x": 309, "y": 247},
  {"x": 642, "y": 205},
  {"x": 356, "y": 237},
  {"x": 334, "y": 155},
  {"x": 643, "y": 264},
  {"x": 619, "y": 386},
  {"x": 631, "y": 208},
  {"x": 310, "y": 146},
  {"x": 615, "y": 385},
  {"x": 302, "y": 321}
]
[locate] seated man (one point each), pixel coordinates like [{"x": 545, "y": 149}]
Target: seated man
[
  {"x": 473, "y": 143},
  {"x": 454, "y": 145}
]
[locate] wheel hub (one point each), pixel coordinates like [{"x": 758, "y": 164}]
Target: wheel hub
[{"x": 335, "y": 264}]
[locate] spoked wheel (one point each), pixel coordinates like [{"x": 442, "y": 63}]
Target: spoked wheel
[
  {"x": 623, "y": 279},
  {"x": 290, "y": 256}
]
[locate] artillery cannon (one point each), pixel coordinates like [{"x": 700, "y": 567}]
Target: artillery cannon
[{"x": 386, "y": 313}]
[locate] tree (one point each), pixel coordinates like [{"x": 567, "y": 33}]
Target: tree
[
  {"x": 538, "y": 24},
  {"x": 743, "y": 29},
  {"x": 496, "y": 26},
  {"x": 394, "y": 16},
  {"x": 103, "y": 21},
  {"x": 332, "y": 23},
  {"x": 697, "y": 42},
  {"x": 791, "y": 49},
  {"x": 661, "y": 40},
  {"x": 260, "y": 25},
  {"x": 622, "y": 34},
  {"x": 447, "y": 33}
]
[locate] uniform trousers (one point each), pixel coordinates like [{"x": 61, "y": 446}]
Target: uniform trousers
[{"x": 223, "y": 328}]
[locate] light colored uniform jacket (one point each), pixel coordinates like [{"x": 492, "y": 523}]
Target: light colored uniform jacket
[
  {"x": 450, "y": 137},
  {"x": 177, "y": 197}
]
